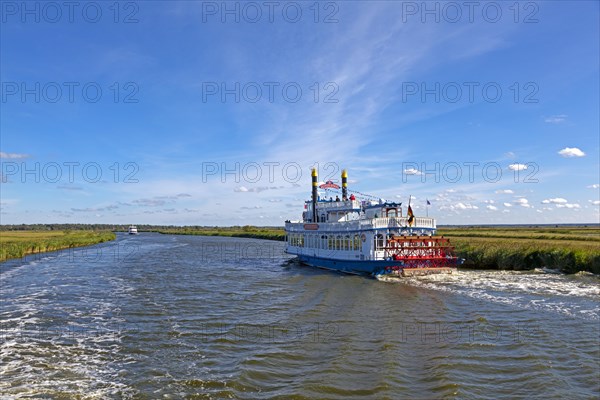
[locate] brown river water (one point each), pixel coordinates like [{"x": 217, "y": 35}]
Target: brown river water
[{"x": 168, "y": 316}]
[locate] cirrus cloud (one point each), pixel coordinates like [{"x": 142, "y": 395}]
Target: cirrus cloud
[
  {"x": 13, "y": 156},
  {"x": 556, "y": 119}
]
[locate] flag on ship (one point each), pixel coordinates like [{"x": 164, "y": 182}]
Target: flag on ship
[
  {"x": 411, "y": 216},
  {"x": 428, "y": 203}
]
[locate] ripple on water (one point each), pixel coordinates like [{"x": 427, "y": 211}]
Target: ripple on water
[{"x": 186, "y": 316}]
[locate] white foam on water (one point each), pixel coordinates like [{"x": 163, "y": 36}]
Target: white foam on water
[
  {"x": 574, "y": 295},
  {"x": 52, "y": 348}
]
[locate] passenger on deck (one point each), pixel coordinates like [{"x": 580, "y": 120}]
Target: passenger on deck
[
  {"x": 330, "y": 198},
  {"x": 352, "y": 197},
  {"x": 337, "y": 198}
]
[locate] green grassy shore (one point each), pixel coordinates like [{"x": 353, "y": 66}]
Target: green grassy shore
[
  {"x": 568, "y": 249},
  {"x": 252, "y": 232},
  {"x": 17, "y": 244}
]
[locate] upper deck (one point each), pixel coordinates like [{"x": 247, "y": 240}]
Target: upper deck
[{"x": 362, "y": 224}]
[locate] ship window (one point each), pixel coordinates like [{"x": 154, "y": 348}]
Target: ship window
[
  {"x": 338, "y": 243},
  {"x": 356, "y": 242},
  {"x": 347, "y": 243},
  {"x": 378, "y": 241}
]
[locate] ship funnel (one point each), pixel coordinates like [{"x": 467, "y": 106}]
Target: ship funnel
[
  {"x": 314, "y": 194},
  {"x": 344, "y": 185}
]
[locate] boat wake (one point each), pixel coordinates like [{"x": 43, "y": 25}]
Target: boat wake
[{"x": 574, "y": 295}]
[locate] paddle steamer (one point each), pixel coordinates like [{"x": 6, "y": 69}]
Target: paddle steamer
[{"x": 367, "y": 237}]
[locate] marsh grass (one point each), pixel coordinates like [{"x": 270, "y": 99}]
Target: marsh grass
[
  {"x": 251, "y": 232},
  {"x": 17, "y": 244},
  {"x": 566, "y": 249}
]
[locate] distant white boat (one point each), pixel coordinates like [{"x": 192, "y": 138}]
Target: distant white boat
[{"x": 133, "y": 230}]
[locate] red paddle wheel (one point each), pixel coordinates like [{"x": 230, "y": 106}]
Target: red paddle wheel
[{"x": 423, "y": 252}]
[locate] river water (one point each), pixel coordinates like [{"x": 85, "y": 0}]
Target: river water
[{"x": 167, "y": 316}]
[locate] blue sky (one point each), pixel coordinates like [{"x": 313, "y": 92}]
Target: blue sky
[{"x": 213, "y": 113}]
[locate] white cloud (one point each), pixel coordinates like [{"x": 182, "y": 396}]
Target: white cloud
[
  {"x": 67, "y": 187},
  {"x": 493, "y": 208},
  {"x": 568, "y": 205},
  {"x": 489, "y": 201},
  {"x": 517, "y": 167},
  {"x": 257, "y": 189},
  {"x": 13, "y": 155},
  {"x": 557, "y": 200},
  {"x": 594, "y": 186},
  {"x": 556, "y": 119},
  {"x": 412, "y": 171},
  {"x": 523, "y": 202},
  {"x": 505, "y": 191},
  {"x": 507, "y": 205},
  {"x": 153, "y": 202},
  {"x": 466, "y": 206},
  {"x": 595, "y": 202},
  {"x": 510, "y": 154},
  {"x": 571, "y": 152}
]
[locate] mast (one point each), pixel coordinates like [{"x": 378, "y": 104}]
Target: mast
[{"x": 314, "y": 194}]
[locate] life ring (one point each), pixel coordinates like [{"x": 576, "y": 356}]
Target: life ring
[{"x": 363, "y": 237}]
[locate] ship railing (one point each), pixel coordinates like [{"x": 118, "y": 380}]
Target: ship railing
[
  {"x": 374, "y": 223},
  {"x": 401, "y": 222}
]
